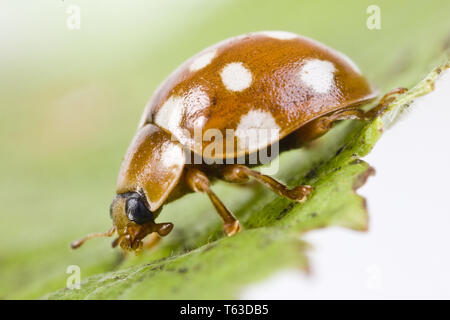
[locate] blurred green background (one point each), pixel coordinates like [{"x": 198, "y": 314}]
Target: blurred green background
[{"x": 71, "y": 100}]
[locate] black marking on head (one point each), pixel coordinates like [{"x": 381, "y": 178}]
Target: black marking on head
[{"x": 136, "y": 210}]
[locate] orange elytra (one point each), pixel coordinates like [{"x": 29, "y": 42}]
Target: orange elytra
[{"x": 277, "y": 81}]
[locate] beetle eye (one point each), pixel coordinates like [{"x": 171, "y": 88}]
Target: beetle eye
[{"x": 137, "y": 211}]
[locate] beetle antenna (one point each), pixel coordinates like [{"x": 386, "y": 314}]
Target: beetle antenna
[{"x": 79, "y": 243}]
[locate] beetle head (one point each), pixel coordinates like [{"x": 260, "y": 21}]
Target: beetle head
[{"x": 133, "y": 221}]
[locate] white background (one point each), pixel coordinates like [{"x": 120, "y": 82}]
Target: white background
[{"x": 406, "y": 252}]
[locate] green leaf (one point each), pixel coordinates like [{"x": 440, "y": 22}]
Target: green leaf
[{"x": 59, "y": 175}]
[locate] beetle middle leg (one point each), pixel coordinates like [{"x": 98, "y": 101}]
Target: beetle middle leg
[
  {"x": 240, "y": 173},
  {"x": 199, "y": 182}
]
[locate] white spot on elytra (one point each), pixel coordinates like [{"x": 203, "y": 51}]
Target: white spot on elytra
[
  {"x": 236, "y": 77},
  {"x": 280, "y": 35},
  {"x": 318, "y": 74},
  {"x": 256, "y": 130},
  {"x": 196, "y": 100},
  {"x": 203, "y": 60},
  {"x": 170, "y": 114},
  {"x": 172, "y": 155}
]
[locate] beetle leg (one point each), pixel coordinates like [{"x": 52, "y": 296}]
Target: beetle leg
[
  {"x": 325, "y": 123},
  {"x": 322, "y": 125},
  {"x": 199, "y": 182},
  {"x": 386, "y": 100},
  {"x": 79, "y": 243},
  {"x": 240, "y": 173},
  {"x": 151, "y": 240}
]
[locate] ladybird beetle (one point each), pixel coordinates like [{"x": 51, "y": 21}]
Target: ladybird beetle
[{"x": 290, "y": 84}]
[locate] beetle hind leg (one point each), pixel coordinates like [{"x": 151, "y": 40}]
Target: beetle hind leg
[
  {"x": 386, "y": 100},
  {"x": 359, "y": 114},
  {"x": 240, "y": 173},
  {"x": 322, "y": 125},
  {"x": 199, "y": 182}
]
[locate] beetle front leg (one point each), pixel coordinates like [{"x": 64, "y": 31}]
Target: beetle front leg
[
  {"x": 151, "y": 240},
  {"x": 199, "y": 182},
  {"x": 240, "y": 173}
]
